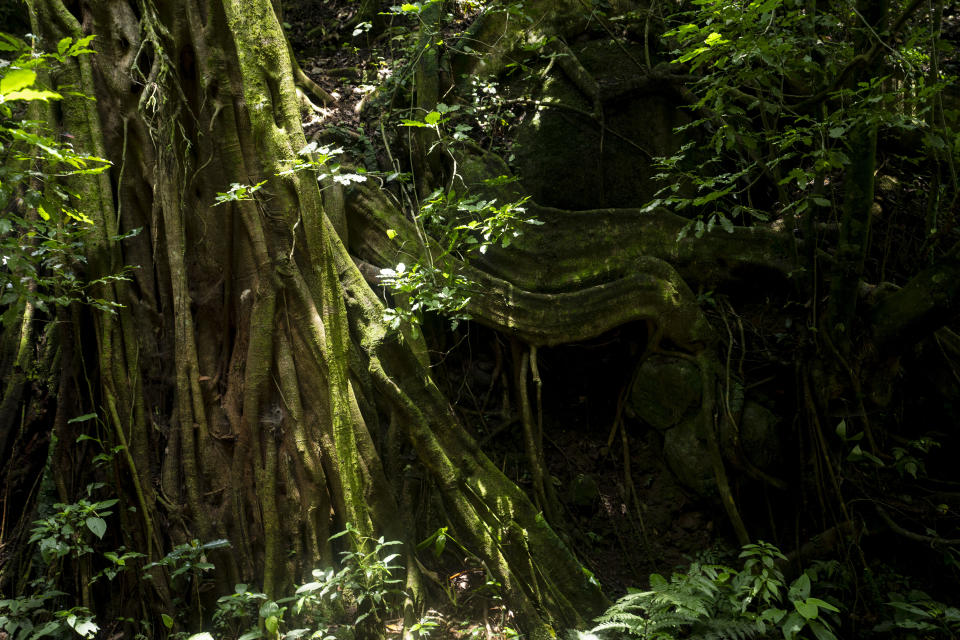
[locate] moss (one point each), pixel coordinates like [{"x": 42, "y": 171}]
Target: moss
[{"x": 577, "y": 161}]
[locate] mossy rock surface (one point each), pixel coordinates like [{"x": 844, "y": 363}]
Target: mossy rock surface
[
  {"x": 666, "y": 391},
  {"x": 565, "y": 158},
  {"x": 687, "y": 454}
]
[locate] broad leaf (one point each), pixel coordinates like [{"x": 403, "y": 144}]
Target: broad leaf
[
  {"x": 97, "y": 526},
  {"x": 15, "y": 80}
]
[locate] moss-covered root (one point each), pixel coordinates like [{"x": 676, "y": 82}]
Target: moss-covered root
[{"x": 542, "y": 579}]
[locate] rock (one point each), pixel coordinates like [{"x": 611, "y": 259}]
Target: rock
[
  {"x": 666, "y": 391},
  {"x": 583, "y": 492},
  {"x": 758, "y": 436},
  {"x": 687, "y": 453},
  {"x": 690, "y": 521}
]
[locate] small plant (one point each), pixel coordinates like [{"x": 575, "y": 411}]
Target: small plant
[
  {"x": 66, "y": 531},
  {"x": 29, "y": 617},
  {"x": 337, "y": 604},
  {"x": 427, "y": 289},
  {"x": 916, "y": 613},
  {"x": 238, "y": 193},
  {"x": 188, "y": 562},
  {"x": 717, "y": 601},
  {"x": 364, "y": 585},
  {"x": 237, "y": 612},
  {"x": 426, "y": 625}
]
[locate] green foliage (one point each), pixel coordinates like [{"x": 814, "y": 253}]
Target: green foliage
[
  {"x": 411, "y": 8},
  {"x": 189, "y": 560},
  {"x": 428, "y": 289},
  {"x": 314, "y": 157},
  {"x": 908, "y": 460},
  {"x": 67, "y": 532},
  {"x": 237, "y": 611},
  {"x": 187, "y": 564},
  {"x": 238, "y": 193},
  {"x": 30, "y": 617},
  {"x": 716, "y": 601},
  {"x": 334, "y": 605},
  {"x": 42, "y": 225},
  {"x": 321, "y": 159},
  {"x": 462, "y": 226},
  {"x": 779, "y": 87},
  {"x": 916, "y": 613},
  {"x": 366, "y": 580}
]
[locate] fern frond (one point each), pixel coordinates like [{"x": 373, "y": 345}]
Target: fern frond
[{"x": 730, "y": 628}]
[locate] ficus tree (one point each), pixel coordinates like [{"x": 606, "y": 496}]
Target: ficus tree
[{"x": 251, "y": 375}]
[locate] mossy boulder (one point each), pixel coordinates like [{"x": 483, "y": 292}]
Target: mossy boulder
[
  {"x": 571, "y": 156},
  {"x": 666, "y": 390}
]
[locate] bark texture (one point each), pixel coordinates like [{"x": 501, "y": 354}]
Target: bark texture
[{"x": 250, "y": 377}]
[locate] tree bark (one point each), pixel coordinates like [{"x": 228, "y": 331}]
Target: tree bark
[{"x": 250, "y": 368}]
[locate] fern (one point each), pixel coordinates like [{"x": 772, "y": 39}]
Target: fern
[
  {"x": 714, "y": 601},
  {"x": 725, "y": 628}
]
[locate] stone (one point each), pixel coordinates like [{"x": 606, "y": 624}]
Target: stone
[
  {"x": 583, "y": 492},
  {"x": 687, "y": 453},
  {"x": 666, "y": 391}
]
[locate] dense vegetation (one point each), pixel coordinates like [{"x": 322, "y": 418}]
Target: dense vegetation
[{"x": 334, "y": 318}]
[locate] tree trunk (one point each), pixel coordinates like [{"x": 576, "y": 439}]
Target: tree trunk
[{"x": 249, "y": 374}]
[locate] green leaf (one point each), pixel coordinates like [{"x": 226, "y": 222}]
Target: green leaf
[
  {"x": 201, "y": 636},
  {"x": 806, "y": 609},
  {"x": 836, "y": 132},
  {"x": 272, "y": 624},
  {"x": 710, "y": 197},
  {"x": 823, "y": 605},
  {"x": 31, "y": 94},
  {"x": 9, "y": 43},
  {"x": 432, "y": 118},
  {"x": 310, "y": 586},
  {"x": 725, "y": 223},
  {"x": 49, "y": 629},
  {"x": 714, "y": 38},
  {"x": 97, "y": 526},
  {"x": 391, "y": 233},
  {"x": 15, "y": 80},
  {"x": 167, "y": 621},
  {"x": 821, "y": 631},
  {"x": 268, "y": 609},
  {"x": 220, "y": 543},
  {"x": 86, "y": 628},
  {"x": 792, "y": 626},
  {"x": 83, "y": 418},
  {"x": 800, "y": 589}
]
